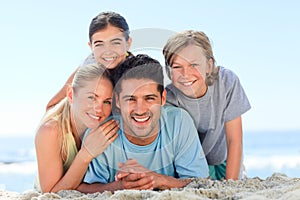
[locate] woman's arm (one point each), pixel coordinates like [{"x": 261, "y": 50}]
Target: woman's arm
[
  {"x": 234, "y": 139},
  {"x": 50, "y": 163}
]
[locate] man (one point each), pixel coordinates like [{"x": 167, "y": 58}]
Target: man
[{"x": 158, "y": 146}]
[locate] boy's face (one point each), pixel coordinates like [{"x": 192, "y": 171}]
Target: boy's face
[
  {"x": 188, "y": 71},
  {"x": 140, "y": 105},
  {"x": 109, "y": 46}
]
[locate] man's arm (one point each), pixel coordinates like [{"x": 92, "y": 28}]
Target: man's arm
[
  {"x": 136, "y": 181},
  {"x": 160, "y": 181}
]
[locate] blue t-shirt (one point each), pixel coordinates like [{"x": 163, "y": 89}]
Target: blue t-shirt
[{"x": 176, "y": 151}]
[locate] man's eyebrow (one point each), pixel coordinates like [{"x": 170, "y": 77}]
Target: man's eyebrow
[
  {"x": 127, "y": 96},
  {"x": 151, "y": 95}
]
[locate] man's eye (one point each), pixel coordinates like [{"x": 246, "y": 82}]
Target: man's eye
[
  {"x": 150, "y": 98},
  {"x": 130, "y": 99},
  {"x": 98, "y": 45},
  {"x": 194, "y": 64}
]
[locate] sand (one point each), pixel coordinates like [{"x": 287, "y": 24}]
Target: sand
[{"x": 277, "y": 186}]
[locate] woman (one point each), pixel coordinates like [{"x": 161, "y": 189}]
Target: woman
[
  {"x": 109, "y": 41},
  {"x": 62, "y": 158},
  {"x": 214, "y": 98}
]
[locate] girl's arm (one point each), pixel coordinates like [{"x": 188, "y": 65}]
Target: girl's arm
[
  {"x": 234, "y": 139},
  {"x": 61, "y": 93}
]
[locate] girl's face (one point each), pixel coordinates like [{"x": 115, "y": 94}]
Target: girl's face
[
  {"x": 188, "y": 71},
  {"x": 91, "y": 104},
  {"x": 110, "y": 46}
]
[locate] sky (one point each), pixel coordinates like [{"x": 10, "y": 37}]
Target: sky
[{"x": 43, "y": 42}]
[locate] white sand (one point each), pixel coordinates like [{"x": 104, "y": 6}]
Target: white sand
[{"x": 278, "y": 186}]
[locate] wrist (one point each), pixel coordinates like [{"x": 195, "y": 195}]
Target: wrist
[{"x": 85, "y": 155}]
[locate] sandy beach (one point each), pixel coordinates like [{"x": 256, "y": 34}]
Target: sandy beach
[{"x": 277, "y": 186}]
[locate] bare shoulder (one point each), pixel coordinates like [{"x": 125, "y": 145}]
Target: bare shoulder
[{"x": 47, "y": 132}]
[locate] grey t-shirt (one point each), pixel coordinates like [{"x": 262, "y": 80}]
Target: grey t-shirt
[{"x": 225, "y": 100}]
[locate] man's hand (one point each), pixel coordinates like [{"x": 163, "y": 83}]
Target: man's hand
[{"x": 132, "y": 175}]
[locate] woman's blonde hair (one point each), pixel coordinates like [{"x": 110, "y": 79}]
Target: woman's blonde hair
[
  {"x": 61, "y": 111},
  {"x": 181, "y": 40}
]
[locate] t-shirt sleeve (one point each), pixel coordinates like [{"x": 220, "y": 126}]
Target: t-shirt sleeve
[
  {"x": 237, "y": 101},
  {"x": 190, "y": 159}
]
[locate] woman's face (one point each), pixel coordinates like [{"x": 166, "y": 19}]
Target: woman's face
[
  {"x": 188, "y": 71},
  {"x": 91, "y": 104},
  {"x": 110, "y": 46}
]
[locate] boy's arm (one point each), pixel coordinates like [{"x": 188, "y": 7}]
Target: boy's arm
[{"x": 61, "y": 93}]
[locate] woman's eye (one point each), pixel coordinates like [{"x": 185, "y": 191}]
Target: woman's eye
[{"x": 91, "y": 98}]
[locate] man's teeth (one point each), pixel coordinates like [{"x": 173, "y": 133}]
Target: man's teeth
[{"x": 141, "y": 119}]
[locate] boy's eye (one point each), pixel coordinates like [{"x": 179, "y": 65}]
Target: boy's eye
[{"x": 175, "y": 67}]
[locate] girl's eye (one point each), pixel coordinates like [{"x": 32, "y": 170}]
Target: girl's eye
[
  {"x": 107, "y": 102},
  {"x": 116, "y": 43}
]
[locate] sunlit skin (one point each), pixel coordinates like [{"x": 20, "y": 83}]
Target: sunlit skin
[
  {"x": 140, "y": 104},
  {"x": 188, "y": 71},
  {"x": 109, "y": 46},
  {"x": 91, "y": 104}
]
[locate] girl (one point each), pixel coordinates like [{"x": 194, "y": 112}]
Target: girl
[
  {"x": 109, "y": 41},
  {"x": 214, "y": 98},
  {"x": 61, "y": 157}
]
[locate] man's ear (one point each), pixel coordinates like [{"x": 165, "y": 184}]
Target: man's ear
[
  {"x": 117, "y": 100},
  {"x": 164, "y": 97},
  {"x": 90, "y": 45},
  {"x": 69, "y": 93}
]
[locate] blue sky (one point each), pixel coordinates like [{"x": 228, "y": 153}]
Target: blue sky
[{"x": 43, "y": 42}]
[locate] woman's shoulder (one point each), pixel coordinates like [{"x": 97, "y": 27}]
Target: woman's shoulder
[{"x": 48, "y": 130}]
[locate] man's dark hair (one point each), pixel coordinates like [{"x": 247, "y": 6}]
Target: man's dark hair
[{"x": 139, "y": 67}]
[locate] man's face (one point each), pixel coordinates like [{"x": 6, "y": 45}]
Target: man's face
[{"x": 140, "y": 105}]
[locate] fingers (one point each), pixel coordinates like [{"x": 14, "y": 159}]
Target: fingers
[
  {"x": 138, "y": 181},
  {"x": 108, "y": 126}
]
